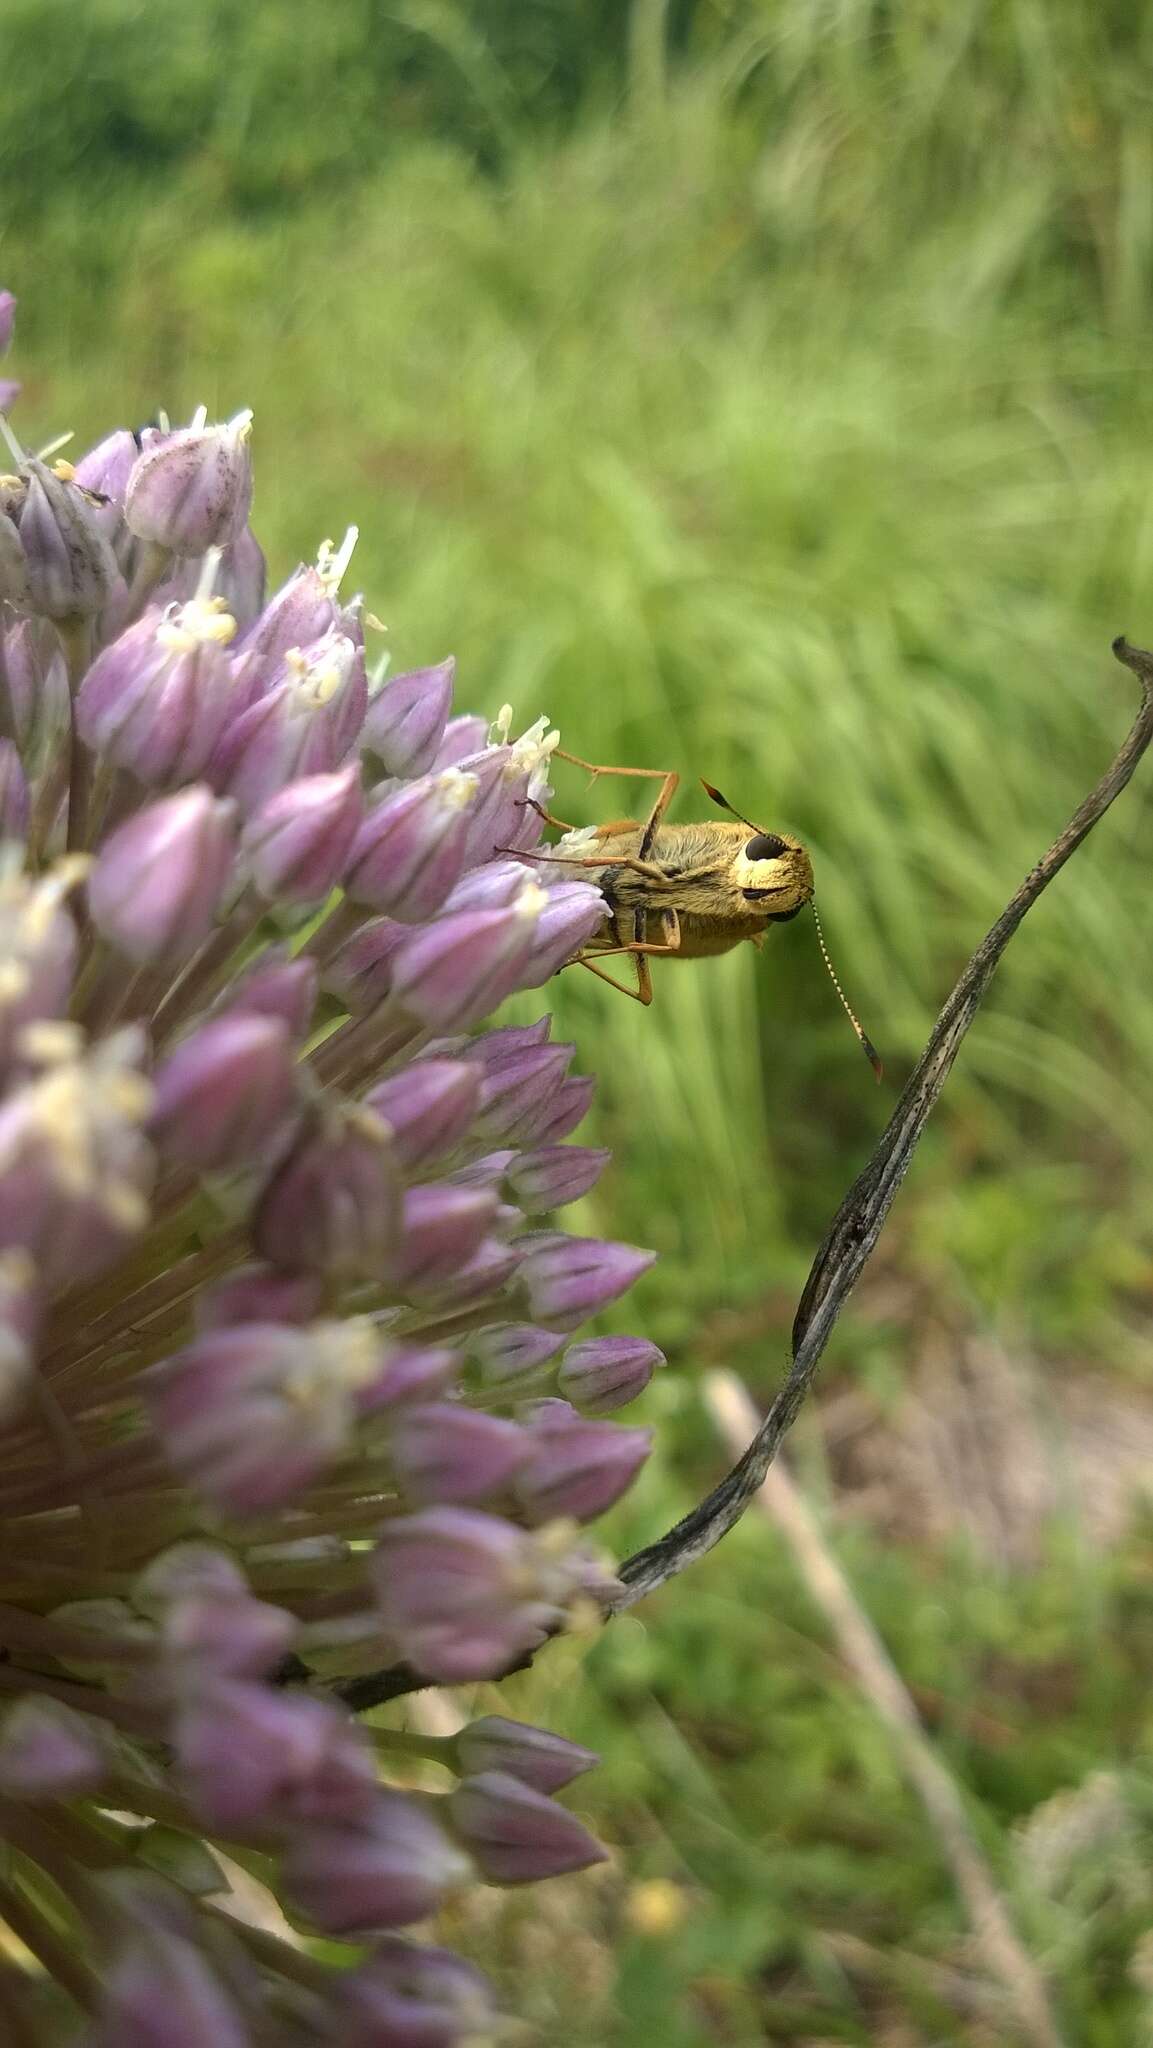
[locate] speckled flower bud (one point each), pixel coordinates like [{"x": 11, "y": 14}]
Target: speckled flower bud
[
  {"x": 69, "y": 569},
  {"x": 406, "y": 719},
  {"x": 333, "y": 1206},
  {"x": 224, "y": 1092},
  {"x": 605, "y": 1373},
  {"x": 191, "y": 489},
  {"x": 157, "y": 700},
  {"x": 159, "y": 880},
  {"x": 515, "y": 1833},
  {"x": 297, "y": 845}
]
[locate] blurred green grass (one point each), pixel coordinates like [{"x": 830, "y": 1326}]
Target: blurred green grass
[{"x": 783, "y": 417}]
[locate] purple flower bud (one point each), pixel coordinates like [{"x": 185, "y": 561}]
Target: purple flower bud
[
  {"x": 574, "y": 911},
  {"x": 456, "y": 969},
  {"x": 491, "y": 1266},
  {"x": 409, "y": 1997},
  {"x": 38, "y": 696},
  {"x": 428, "y": 1108},
  {"x": 8, "y": 304},
  {"x": 259, "y": 1294},
  {"x": 253, "y": 1757},
  {"x": 75, "y": 1169},
  {"x": 14, "y": 804},
  {"x": 333, "y": 1206},
  {"x": 443, "y": 1226},
  {"x": 605, "y": 1373},
  {"x": 518, "y": 1088},
  {"x": 410, "y": 849},
  {"x": 387, "y": 1870},
  {"x": 157, "y": 700},
  {"x": 447, "y": 1453},
  {"x": 568, "y": 1108},
  {"x": 359, "y": 973},
  {"x": 569, "y": 1281},
  {"x": 486, "y": 1172},
  {"x": 512, "y": 1356},
  {"x": 412, "y": 1373},
  {"x": 305, "y": 724},
  {"x": 192, "y": 489},
  {"x": 275, "y": 986},
  {"x": 537, "y": 1758},
  {"x": 462, "y": 737},
  {"x": 406, "y": 719},
  {"x": 224, "y": 1092},
  {"x": 207, "y": 1636},
  {"x": 38, "y": 948},
  {"x": 301, "y": 611},
  {"x": 516, "y": 1834},
  {"x": 491, "y": 1048},
  {"x": 250, "y": 1414},
  {"x": 577, "y": 1468},
  {"x": 464, "y": 1594},
  {"x": 49, "y": 1752},
  {"x": 241, "y": 576},
  {"x": 162, "y": 1992},
  {"x": 159, "y": 880},
  {"x": 555, "y": 1175},
  {"x": 10, "y": 389},
  {"x": 297, "y": 844},
  {"x": 68, "y": 564}
]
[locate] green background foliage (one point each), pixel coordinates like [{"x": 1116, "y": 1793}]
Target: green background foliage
[{"x": 761, "y": 389}]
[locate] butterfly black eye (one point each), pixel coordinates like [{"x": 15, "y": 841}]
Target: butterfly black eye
[{"x": 766, "y": 846}]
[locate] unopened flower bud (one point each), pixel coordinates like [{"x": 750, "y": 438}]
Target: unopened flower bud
[
  {"x": 251, "y": 1756},
  {"x": 160, "y": 879},
  {"x": 462, "y": 737},
  {"x": 533, "y": 1755},
  {"x": 157, "y": 700},
  {"x": 259, "y": 1294},
  {"x": 464, "y": 1594},
  {"x": 577, "y": 1468},
  {"x": 556, "y": 1174},
  {"x": 429, "y": 1108},
  {"x": 514, "y": 1357},
  {"x": 223, "y": 1092},
  {"x": 249, "y": 1415},
  {"x": 68, "y": 563},
  {"x": 387, "y": 1870},
  {"x": 192, "y": 489},
  {"x": 445, "y": 1452},
  {"x": 297, "y": 844},
  {"x": 490, "y": 1268},
  {"x": 49, "y": 1752},
  {"x": 516, "y": 1834},
  {"x": 568, "y": 1107},
  {"x": 37, "y": 951},
  {"x": 443, "y": 1226},
  {"x": 410, "y": 849},
  {"x": 38, "y": 700},
  {"x": 276, "y": 985},
  {"x": 333, "y": 1205},
  {"x": 14, "y": 800},
  {"x": 517, "y": 1088},
  {"x": 568, "y": 1281},
  {"x": 359, "y": 974},
  {"x": 605, "y": 1373},
  {"x": 407, "y": 718},
  {"x": 160, "y": 1987},
  {"x": 7, "y": 320},
  {"x": 403, "y": 1996},
  {"x": 456, "y": 969},
  {"x": 573, "y": 913}
]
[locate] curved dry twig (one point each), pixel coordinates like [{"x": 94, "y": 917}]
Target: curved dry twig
[
  {"x": 853, "y": 1233},
  {"x": 858, "y": 1222}
]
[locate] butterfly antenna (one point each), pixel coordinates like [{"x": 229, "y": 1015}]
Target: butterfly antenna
[
  {"x": 870, "y": 1050},
  {"x": 725, "y": 805}
]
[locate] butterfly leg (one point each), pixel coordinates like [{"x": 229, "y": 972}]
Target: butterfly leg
[
  {"x": 639, "y": 951},
  {"x": 669, "y": 781}
]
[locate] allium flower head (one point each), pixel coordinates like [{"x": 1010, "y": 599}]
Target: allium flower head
[{"x": 284, "y": 1327}]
